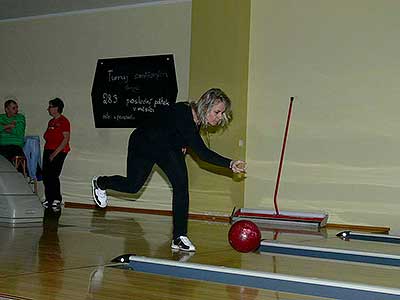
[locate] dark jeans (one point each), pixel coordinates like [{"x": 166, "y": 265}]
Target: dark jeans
[
  {"x": 139, "y": 165},
  {"x": 11, "y": 151},
  {"x": 51, "y": 175}
]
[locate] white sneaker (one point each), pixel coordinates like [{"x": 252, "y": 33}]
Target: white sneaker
[
  {"x": 183, "y": 243},
  {"x": 45, "y": 204},
  {"x": 99, "y": 195},
  {"x": 56, "y": 206}
]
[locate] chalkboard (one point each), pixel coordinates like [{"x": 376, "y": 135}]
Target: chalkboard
[{"x": 126, "y": 91}]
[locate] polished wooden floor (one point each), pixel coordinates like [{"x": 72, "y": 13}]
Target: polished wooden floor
[{"x": 69, "y": 257}]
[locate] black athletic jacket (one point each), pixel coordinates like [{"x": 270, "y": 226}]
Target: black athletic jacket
[{"x": 173, "y": 130}]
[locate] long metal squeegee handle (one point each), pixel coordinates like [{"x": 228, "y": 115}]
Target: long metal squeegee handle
[{"x": 282, "y": 156}]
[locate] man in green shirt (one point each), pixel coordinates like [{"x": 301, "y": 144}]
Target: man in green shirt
[{"x": 12, "y": 131}]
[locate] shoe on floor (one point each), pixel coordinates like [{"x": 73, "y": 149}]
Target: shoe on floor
[
  {"x": 99, "y": 195},
  {"x": 183, "y": 243},
  {"x": 45, "y": 204},
  {"x": 56, "y": 206}
]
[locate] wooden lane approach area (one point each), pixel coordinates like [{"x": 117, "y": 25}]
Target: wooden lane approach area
[
  {"x": 256, "y": 279},
  {"x": 330, "y": 253}
]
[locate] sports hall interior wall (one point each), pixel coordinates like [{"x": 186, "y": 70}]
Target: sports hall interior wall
[
  {"x": 55, "y": 56},
  {"x": 340, "y": 58},
  {"x": 219, "y": 57}
]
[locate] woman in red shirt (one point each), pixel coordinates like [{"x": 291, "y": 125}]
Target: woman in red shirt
[{"x": 55, "y": 151}]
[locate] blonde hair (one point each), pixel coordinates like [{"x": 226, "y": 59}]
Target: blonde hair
[{"x": 207, "y": 101}]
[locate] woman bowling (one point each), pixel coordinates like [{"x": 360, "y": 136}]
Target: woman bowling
[{"x": 163, "y": 141}]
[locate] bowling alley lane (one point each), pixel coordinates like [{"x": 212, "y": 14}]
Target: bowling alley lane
[{"x": 83, "y": 240}]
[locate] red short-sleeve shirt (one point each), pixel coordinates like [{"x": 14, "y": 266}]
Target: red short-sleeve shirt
[{"x": 54, "y": 133}]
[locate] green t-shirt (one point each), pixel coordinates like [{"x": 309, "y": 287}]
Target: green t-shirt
[{"x": 17, "y": 134}]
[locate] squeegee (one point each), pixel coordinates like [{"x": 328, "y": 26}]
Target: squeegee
[{"x": 282, "y": 218}]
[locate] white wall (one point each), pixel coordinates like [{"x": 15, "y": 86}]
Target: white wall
[
  {"x": 340, "y": 58},
  {"x": 55, "y": 56}
]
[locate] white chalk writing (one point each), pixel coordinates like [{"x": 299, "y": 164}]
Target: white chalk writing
[
  {"x": 161, "y": 101},
  {"x": 139, "y": 101},
  {"x": 151, "y": 75},
  {"x": 106, "y": 116},
  {"x": 110, "y": 99},
  {"x": 111, "y": 77}
]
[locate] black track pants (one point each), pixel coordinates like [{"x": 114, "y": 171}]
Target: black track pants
[{"x": 139, "y": 165}]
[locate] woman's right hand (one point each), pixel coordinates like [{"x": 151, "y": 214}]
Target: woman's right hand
[{"x": 238, "y": 166}]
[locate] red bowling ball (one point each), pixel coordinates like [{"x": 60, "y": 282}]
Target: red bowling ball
[{"x": 244, "y": 236}]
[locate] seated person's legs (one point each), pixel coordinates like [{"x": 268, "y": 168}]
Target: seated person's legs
[{"x": 10, "y": 152}]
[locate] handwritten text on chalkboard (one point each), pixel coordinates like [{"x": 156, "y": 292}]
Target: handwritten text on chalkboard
[{"x": 126, "y": 91}]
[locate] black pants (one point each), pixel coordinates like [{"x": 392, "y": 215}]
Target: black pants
[
  {"x": 51, "y": 175},
  {"x": 10, "y": 152},
  {"x": 139, "y": 165}
]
